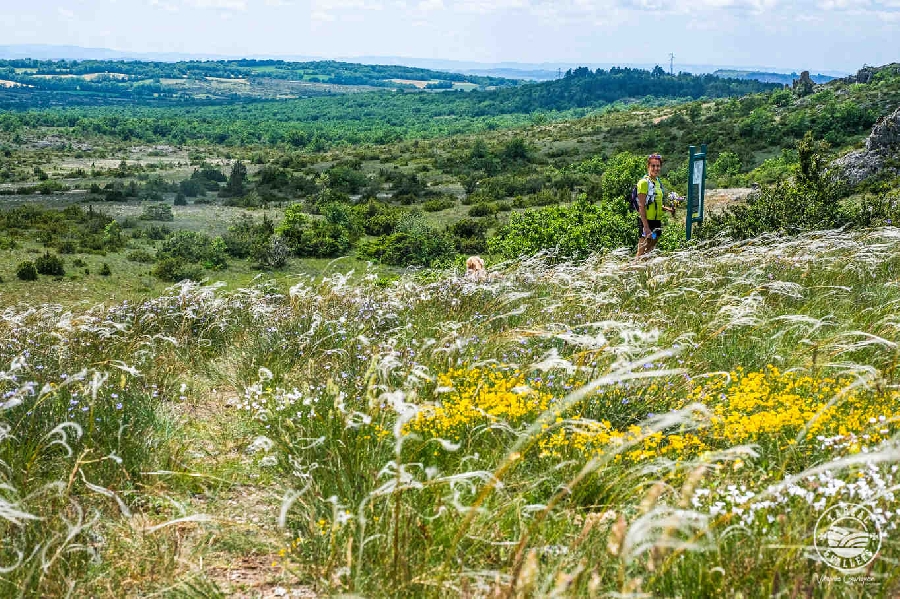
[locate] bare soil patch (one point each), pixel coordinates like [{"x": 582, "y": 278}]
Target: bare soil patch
[{"x": 719, "y": 199}]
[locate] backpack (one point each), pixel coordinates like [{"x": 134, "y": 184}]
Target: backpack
[{"x": 632, "y": 197}]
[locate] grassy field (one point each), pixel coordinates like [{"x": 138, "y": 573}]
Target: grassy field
[{"x": 674, "y": 426}]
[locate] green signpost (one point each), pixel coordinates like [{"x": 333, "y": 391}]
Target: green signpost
[{"x": 696, "y": 187}]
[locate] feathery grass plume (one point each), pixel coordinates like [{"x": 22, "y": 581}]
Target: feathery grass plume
[{"x": 433, "y": 436}]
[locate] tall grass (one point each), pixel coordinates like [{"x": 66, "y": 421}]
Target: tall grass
[
  {"x": 671, "y": 426},
  {"x": 414, "y": 481}
]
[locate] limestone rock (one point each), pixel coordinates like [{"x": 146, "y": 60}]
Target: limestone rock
[
  {"x": 882, "y": 145},
  {"x": 804, "y": 86},
  {"x": 864, "y": 75}
]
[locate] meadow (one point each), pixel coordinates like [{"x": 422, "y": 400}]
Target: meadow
[
  {"x": 239, "y": 355},
  {"x": 673, "y": 426}
]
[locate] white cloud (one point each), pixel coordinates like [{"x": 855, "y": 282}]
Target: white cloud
[
  {"x": 324, "y": 10},
  {"x": 220, "y": 4},
  {"x": 483, "y": 7},
  {"x": 168, "y": 6},
  {"x": 331, "y": 5},
  {"x": 430, "y": 5},
  {"x": 65, "y": 13}
]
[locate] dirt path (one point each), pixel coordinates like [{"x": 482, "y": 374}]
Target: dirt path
[{"x": 242, "y": 553}]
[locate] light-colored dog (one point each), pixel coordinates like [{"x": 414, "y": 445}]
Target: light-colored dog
[{"x": 475, "y": 268}]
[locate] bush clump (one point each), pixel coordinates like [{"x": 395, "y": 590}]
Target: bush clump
[
  {"x": 48, "y": 264},
  {"x": 158, "y": 212},
  {"x": 483, "y": 210},
  {"x": 26, "y": 271},
  {"x": 573, "y": 231},
  {"x": 413, "y": 243}
]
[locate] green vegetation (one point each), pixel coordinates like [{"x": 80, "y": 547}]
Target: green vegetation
[
  {"x": 567, "y": 426},
  {"x": 417, "y": 202},
  {"x": 668, "y": 427},
  {"x": 47, "y": 82}
]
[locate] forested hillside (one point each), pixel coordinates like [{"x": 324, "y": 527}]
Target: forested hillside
[
  {"x": 30, "y": 83},
  {"x": 319, "y": 122}
]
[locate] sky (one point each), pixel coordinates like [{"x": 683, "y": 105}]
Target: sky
[{"x": 815, "y": 35}]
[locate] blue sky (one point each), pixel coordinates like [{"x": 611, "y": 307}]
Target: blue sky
[{"x": 814, "y": 35}]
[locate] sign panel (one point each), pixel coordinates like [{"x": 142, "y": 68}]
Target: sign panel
[{"x": 696, "y": 187}]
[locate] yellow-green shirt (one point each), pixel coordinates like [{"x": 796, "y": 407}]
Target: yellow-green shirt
[{"x": 654, "y": 191}]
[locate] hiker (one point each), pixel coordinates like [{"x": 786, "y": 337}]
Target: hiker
[{"x": 650, "y": 206}]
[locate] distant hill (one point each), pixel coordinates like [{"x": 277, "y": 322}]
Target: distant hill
[
  {"x": 769, "y": 77},
  {"x": 583, "y": 88},
  {"x": 514, "y": 70},
  {"x": 32, "y": 82}
]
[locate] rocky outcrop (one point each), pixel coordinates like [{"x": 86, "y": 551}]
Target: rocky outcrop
[
  {"x": 881, "y": 153},
  {"x": 804, "y": 86},
  {"x": 864, "y": 76},
  {"x": 867, "y": 74}
]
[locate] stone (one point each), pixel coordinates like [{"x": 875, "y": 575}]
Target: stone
[
  {"x": 804, "y": 86},
  {"x": 882, "y": 145}
]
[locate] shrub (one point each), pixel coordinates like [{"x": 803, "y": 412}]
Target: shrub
[
  {"x": 49, "y": 264},
  {"x": 271, "y": 253},
  {"x": 67, "y": 246},
  {"x": 252, "y": 199},
  {"x": 622, "y": 172},
  {"x": 244, "y": 235},
  {"x": 139, "y": 256},
  {"x": 235, "y": 184},
  {"x": 810, "y": 202},
  {"x": 483, "y": 210},
  {"x": 175, "y": 269},
  {"x": 158, "y": 212},
  {"x": 725, "y": 167},
  {"x": 438, "y": 204},
  {"x": 312, "y": 237},
  {"x": 192, "y": 187},
  {"x": 157, "y": 232},
  {"x": 414, "y": 243},
  {"x": 26, "y": 271},
  {"x": 105, "y": 270},
  {"x": 574, "y": 231},
  {"x": 343, "y": 216},
  {"x": 379, "y": 218},
  {"x": 193, "y": 247},
  {"x": 469, "y": 236},
  {"x": 180, "y": 199}
]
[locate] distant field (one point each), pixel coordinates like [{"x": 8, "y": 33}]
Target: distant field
[
  {"x": 417, "y": 83},
  {"x": 228, "y": 80}
]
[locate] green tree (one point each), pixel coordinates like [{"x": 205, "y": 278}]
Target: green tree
[
  {"x": 726, "y": 166},
  {"x": 48, "y": 264},
  {"x": 515, "y": 150},
  {"x": 235, "y": 185},
  {"x": 622, "y": 173},
  {"x": 112, "y": 235}
]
